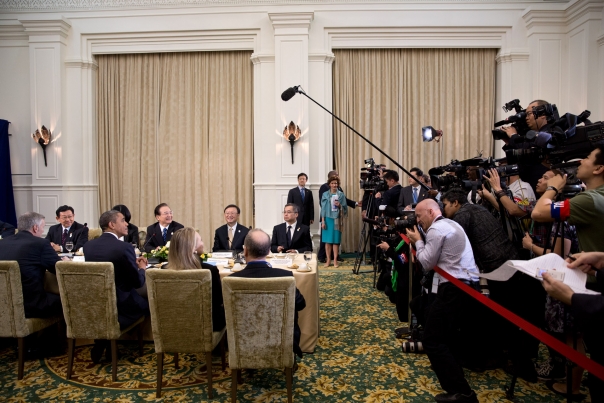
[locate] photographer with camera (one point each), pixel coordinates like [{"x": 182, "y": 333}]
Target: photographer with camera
[
  {"x": 537, "y": 121},
  {"x": 446, "y": 246},
  {"x": 519, "y": 204}
]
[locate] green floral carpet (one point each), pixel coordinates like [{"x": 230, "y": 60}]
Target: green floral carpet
[{"x": 357, "y": 360}]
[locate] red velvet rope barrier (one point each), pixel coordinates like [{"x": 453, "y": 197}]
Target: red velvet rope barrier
[{"x": 547, "y": 339}]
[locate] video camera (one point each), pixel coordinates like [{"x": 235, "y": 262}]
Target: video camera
[
  {"x": 370, "y": 177},
  {"x": 457, "y": 176}
]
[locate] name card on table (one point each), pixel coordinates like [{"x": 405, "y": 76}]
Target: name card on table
[
  {"x": 281, "y": 262},
  {"x": 79, "y": 259},
  {"x": 228, "y": 255},
  {"x": 216, "y": 262}
]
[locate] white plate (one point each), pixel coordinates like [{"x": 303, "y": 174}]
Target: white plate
[{"x": 304, "y": 270}]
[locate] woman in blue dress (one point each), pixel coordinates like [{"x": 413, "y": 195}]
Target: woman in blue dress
[{"x": 333, "y": 210}]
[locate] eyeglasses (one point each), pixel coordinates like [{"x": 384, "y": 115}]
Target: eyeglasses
[
  {"x": 288, "y": 212},
  {"x": 167, "y": 213}
]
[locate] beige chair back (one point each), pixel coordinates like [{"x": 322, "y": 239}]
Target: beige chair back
[
  {"x": 94, "y": 233},
  {"x": 12, "y": 312},
  {"x": 87, "y": 292},
  {"x": 180, "y": 302},
  {"x": 260, "y": 321},
  {"x": 141, "y": 239}
]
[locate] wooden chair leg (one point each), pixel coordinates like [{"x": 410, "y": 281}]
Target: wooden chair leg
[
  {"x": 140, "y": 339},
  {"x": 176, "y": 364},
  {"x": 222, "y": 352},
  {"x": 70, "y": 352},
  {"x": 160, "y": 374},
  {"x": 289, "y": 380},
  {"x": 21, "y": 355},
  {"x": 114, "y": 360},
  {"x": 209, "y": 371},
  {"x": 234, "y": 379}
]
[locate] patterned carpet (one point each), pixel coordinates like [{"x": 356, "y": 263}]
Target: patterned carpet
[{"x": 357, "y": 360}]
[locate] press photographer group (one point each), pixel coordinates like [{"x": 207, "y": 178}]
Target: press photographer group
[{"x": 468, "y": 219}]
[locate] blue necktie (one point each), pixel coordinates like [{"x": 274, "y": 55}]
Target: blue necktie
[
  {"x": 414, "y": 195},
  {"x": 164, "y": 234},
  {"x": 302, "y": 194}
]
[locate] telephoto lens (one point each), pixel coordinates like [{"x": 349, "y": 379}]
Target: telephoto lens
[{"x": 412, "y": 347}]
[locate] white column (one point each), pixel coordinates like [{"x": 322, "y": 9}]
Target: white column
[{"x": 274, "y": 172}]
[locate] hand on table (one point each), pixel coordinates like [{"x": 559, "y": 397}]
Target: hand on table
[
  {"x": 56, "y": 247},
  {"x": 142, "y": 262}
]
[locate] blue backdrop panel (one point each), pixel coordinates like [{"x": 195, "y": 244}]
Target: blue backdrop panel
[{"x": 7, "y": 198}]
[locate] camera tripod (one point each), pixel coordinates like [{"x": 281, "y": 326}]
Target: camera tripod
[{"x": 365, "y": 237}]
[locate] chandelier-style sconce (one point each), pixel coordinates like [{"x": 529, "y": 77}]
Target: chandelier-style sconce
[
  {"x": 292, "y": 133},
  {"x": 43, "y": 138}
]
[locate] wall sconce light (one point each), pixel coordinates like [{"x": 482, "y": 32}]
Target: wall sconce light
[
  {"x": 292, "y": 133},
  {"x": 43, "y": 139}
]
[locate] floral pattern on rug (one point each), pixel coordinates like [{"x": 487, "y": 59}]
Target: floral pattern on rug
[{"x": 357, "y": 359}]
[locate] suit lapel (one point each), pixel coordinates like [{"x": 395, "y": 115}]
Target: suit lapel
[{"x": 236, "y": 235}]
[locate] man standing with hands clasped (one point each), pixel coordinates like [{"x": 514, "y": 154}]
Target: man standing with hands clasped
[{"x": 446, "y": 246}]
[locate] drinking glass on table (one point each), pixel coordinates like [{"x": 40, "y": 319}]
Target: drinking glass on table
[
  {"x": 69, "y": 246},
  {"x": 307, "y": 256}
]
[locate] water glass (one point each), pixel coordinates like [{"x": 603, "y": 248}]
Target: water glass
[
  {"x": 308, "y": 256},
  {"x": 69, "y": 246}
]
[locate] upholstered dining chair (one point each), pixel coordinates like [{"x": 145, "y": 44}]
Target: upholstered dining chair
[
  {"x": 180, "y": 302},
  {"x": 13, "y": 322},
  {"x": 94, "y": 233},
  {"x": 87, "y": 292},
  {"x": 142, "y": 235},
  {"x": 260, "y": 325}
]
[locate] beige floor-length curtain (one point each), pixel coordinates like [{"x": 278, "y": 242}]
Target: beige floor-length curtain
[
  {"x": 176, "y": 128},
  {"x": 388, "y": 95}
]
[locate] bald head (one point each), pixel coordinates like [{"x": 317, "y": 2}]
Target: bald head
[
  {"x": 426, "y": 211},
  {"x": 257, "y": 245}
]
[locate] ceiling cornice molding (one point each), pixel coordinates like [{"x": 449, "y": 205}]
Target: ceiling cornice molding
[
  {"x": 562, "y": 20},
  {"x": 512, "y": 55}
]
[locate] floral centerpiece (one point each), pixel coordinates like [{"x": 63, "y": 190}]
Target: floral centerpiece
[
  {"x": 205, "y": 256},
  {"x": 160, "y": 254}
]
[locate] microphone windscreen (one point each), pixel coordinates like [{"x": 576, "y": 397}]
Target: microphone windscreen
[{"x": 288, "y": 94}]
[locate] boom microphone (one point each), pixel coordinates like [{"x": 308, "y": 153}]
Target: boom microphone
[{"x": 289, "y": 93}]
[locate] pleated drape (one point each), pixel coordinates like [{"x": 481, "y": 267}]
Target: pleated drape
[
  {"x": 388, "y": 95},
  {"x": 176, "y": 128}
]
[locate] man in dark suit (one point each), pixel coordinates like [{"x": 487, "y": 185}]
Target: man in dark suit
[
  {"x": 291, "y": 236},
  {"x": 160, "y": 233},
  {"x": 68, "y": 230},
  {"x": 302, "y": 197},
  {"x": 391, "y": 196},
  {"x": 257, "y": 244},
  {"x": 321, "y": 256},
  {"x": 35, "y": 256},
  {"x": 412, "y": 194},
  {"x": 231, "y": 235},
  {"x": 128, "y": 270}
]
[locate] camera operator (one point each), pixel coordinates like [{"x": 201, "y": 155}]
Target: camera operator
[
  {"x": 523, "y": 197},
  {"x": 587, "y": 309},
  {"x": 447, "y": 246},
  {"x": 530, "y": 172},
  {"x": 586, "y": 209}
]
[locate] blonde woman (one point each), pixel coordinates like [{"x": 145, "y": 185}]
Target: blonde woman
[{"x": 185, "y": 247}]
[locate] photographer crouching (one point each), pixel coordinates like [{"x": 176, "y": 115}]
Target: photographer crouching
[{"x": 446, "y": 246}]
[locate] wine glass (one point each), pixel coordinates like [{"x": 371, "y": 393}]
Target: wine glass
[
  {"x": 307, "y": 256},
  {"x": 69, "y": 246}
]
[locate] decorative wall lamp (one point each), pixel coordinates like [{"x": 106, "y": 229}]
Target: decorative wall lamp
[
  {"x": 292, "y": 133},
  {"x": 43, "y": 139}
]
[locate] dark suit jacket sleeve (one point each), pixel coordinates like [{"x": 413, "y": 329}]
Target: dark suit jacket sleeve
[
  {"x": 150, "y": 232},
  {"x": 274, "y": 240},
  {"x": 82, "y": 238},
  {"x": 311, "y": 206},
  {"x": 307, "y": 241},
  {"x": 49, "y": 258},
  {"x": 290, "y": 196},
  {"x": 588, "y": 309},
  {"x": 136, "y": 275},
  {"x": 216, "y": 246},
  {"x": 324, "y": 187},
  {"x": 50, "y": 233}
]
